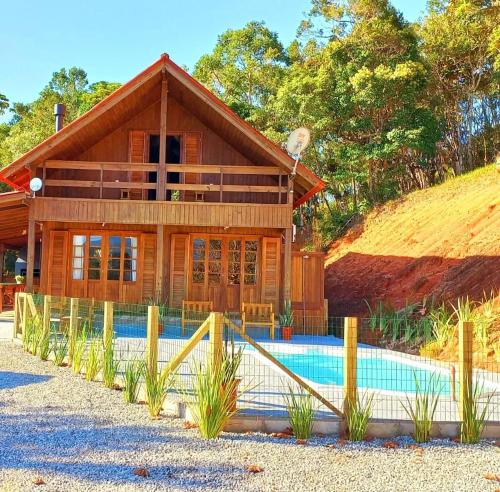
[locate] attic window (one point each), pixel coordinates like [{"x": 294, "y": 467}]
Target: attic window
[
  {"x": 125, "y": 195},
  {"x": 200, "y": 197}
]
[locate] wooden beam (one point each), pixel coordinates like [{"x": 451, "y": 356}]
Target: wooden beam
[
  {"x": 2, "y": 260},
  {"x": 161, "y": 178},
  {"x": 30, "y": 258},
  {"x": 160, "y": 263},
  {"x": 287, "y": 266},
  {"x": 217, "y": 187},
  {"x": 152, "y": 339},
  {"x": 188, "y": 347},
  {"x": 465, "y": 338},
  {"x": 350, "y": 361},
  {"x": 216, "y": 334},
  {"x": 97, "y": 166}
]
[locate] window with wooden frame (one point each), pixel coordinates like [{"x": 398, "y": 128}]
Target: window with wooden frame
[{"x": 110, "y": 256}]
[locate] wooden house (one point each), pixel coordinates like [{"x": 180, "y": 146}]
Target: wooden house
[{"x": 158, "y": 192}]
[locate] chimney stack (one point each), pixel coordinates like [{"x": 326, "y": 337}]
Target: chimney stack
[{"x": 59, "y": 112}]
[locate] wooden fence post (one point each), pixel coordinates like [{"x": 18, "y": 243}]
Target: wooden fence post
[
  {"x": 73, "y": 327},
  {"x": 25, "y": 314},
  {"x": 107, "y": 329},
  {"x": 47, "y": 300},
  {"x": 15, "y": 327},
  {"x": 152, "y": 339},
  {"x": 216, "y": 334},
  {"x": 350, "y": 363},
  {"x": 465, "y": 336}
]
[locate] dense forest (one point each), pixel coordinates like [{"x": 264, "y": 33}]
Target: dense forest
[{"x": 393, "y": 106}]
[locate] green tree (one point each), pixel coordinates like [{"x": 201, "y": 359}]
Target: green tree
[
  {"x": 460, "y": 41},
  {"x": 4, "y": 104},
  {"x": 245, "y": 69},
  {"x": 33, "y": 122},
  {"x": 360, "y": 85}
]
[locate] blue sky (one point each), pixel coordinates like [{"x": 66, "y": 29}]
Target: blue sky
[{"x": 114, "y": 40}]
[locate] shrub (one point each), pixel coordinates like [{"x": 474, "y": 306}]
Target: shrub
[
  {"x": 109, "y": 366},
  {"x": 300, "y": 412},
  {"x": 59, "y": 349},
  {"x": 92, "y": 364},
  {"x": 212, "y": 401},
  {"x": 422, "y": 411},
  {"x": 358, "y": 417},
  {"x": 133, "y": 372},
  {"x": 44, "y": 346},
  {"x": 79, "y": 350},
  {"x": 157, "y": 386},
  {"x": 473, "y": 418}
]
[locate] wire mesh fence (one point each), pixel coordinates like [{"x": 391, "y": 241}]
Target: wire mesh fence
[{"x": 395, "y": 360}]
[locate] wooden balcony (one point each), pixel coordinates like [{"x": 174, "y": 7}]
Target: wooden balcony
[
  {"x": 161, "y": 212},
  {"x": 263, "y": 185}
]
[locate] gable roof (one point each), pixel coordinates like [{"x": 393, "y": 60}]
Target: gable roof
[{"x": 136, "y": 94}]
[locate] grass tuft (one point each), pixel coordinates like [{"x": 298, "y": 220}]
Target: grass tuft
[
  {"x": 133, "y": 372},
  {"x": 301, "y": 412},
  {"x": 358, "y": 417}
]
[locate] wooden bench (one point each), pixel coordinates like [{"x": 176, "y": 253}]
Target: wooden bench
[
  {"x": 193, "y": 311},
  {"x": 257, "y": 315}
]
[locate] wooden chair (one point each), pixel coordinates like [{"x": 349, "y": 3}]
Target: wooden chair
[
  {"x": 257, "y": 315},
  {"x": 192, "y": 312}
]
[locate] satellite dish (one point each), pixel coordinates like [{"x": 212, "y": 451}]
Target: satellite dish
[
  {"x": 35, "y": 185},
  {"x": 297, "y": 142}
]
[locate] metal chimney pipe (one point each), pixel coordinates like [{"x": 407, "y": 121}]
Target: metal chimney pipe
[{"x": 59, "y": 112}]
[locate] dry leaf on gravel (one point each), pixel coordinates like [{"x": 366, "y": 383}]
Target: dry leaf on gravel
[
  {"x": 254, "y": 469},
  {"x": 492, "y": 477},
  {"x": 281, "y": 435},
  {"x": 302, "y": 442},
  {"x": 39, "y": 481},
  {"x": 189, "y": 425},
  {"x": 141, "y": 472},
  {"x": 332, "y": 446},
  {"x": 390, "y": 445}
]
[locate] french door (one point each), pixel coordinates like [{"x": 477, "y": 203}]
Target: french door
[{"x": 224, "y": 270}]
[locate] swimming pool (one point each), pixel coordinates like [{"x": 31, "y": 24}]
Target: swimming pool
[{"x": 377, "y": 372}]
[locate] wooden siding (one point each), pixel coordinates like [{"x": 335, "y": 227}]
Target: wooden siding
[
  {"x": 271, "y": 271},
  {"x": 167, "y": 213}
]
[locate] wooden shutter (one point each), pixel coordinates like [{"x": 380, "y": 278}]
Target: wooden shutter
[
  {"x": 58, "y": 263},
  {"x": 148, "y": 266},
  {"x": 192, "y": 155},
  {"x": 178, "y": 269},
  {"x": 137, "y": 153},
  {"x": 271, "y": 271}
]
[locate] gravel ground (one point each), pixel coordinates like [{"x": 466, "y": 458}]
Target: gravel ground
[{"x": 77, "y": 435}]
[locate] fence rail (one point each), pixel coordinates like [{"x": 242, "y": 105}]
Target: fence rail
[{"x": 349, "y": 363}]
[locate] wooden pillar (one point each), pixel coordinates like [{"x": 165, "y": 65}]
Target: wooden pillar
[
  {"x": 30, "y": 257},
  {"x": 47, "y": 301},
  {"x": 73, "y": 327},
  {"x": 465, "y": 337},
  {"x": 107, "y": 335},
  {"x": 216, "y": 334},
  {"x": 2, "y": 260},
  {"x": 152, "y": 340},
  {"x": 350, "y": 362},
  {"x": 161, "y": 177},
  {"x": 160, "y": 263},
  {"x": 287, "y": 266},
  {"x": 17, "y": 316}
]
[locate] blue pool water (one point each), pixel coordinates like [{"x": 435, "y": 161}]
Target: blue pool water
[{"x": 374, "y": 372}]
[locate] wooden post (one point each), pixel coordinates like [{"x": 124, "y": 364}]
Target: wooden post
[
  {"x": 73, "y": 326},
  {"x": 152, "y": 339},
  {"x": 47, "y": 301},
  {"x": 160, "y": 270},
  {"x": 465, "y": 336},
  {"x": 107, "y": 335},
  {"x": 2, "y": 261},
  {"x": 25, "y": 313},
  {"x": 216, "y": 334},
  {"x": 30, "y": 258},
  {"x": 15, "y": 327},
  {"x": 350, "y": 362},
  {"x": 287, "y": 266},
  {"x": 161, "y": 178}
]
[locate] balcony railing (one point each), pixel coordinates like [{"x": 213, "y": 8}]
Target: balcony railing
[{"x": 182, "y": 182}]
